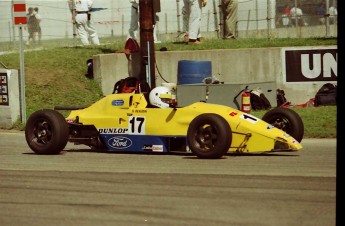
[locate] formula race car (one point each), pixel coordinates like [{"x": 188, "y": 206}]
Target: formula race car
[{"x": 128, "y": 122}]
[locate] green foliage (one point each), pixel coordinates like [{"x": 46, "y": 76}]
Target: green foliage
[
  {"x": 247, "y": 43},
  {"x": 320, "y": 121}
]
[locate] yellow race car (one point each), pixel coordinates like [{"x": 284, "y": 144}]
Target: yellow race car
[{"x": 127, "y": 122}]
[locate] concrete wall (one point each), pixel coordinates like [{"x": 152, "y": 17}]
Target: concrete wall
[
  {"x": 10, "y": 113},
  {"x": 231, "y": 66}
]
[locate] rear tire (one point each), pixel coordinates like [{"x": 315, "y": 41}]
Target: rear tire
[
  {"x": 46, "y": 132},
  {"x": 286, "y": 120},
  {"x": 209, "y": 136}
]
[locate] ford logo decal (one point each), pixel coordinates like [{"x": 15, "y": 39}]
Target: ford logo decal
[
  {"x": 117, "y": 103},
  {"x": 120, "y": 142}
]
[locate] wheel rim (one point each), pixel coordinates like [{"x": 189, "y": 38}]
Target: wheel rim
[
  {"x": 206, "y": 138},
  {"x": 42, "y": 132},
  {"x": 282, "y": 123}
]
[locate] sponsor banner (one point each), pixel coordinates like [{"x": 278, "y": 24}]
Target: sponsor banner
[{"x": 310, "y": 64}]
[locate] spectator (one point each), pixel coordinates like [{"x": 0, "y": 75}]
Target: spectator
[
  {"x": 185, "y": 18},
  {"x": 39, "y": 29},
  {"x": 193, "y": 10},
  {"x": 155, "y": 38},
  {"x": 134, "y": 26},
  {"x": 185, "y": 25},
  {"x": 297, "y": 16},
  {"x": 229, "y": 8},
  {"x": 333, "y": 13},
  {"x": 321, "y": 12},
  {"x": 81, "y": 17},
  {"x": 32, "y": 25},
  {"x": 286, "y": 15}
]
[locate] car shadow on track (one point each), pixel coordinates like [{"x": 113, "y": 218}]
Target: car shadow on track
[{"x": 185, "y": 155}]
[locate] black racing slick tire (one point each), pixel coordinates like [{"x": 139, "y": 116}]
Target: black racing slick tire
[
  {"x": 46, "y": 132},
  {"x": 286, "y": 120},
  {"x": 209, "y": 136}
]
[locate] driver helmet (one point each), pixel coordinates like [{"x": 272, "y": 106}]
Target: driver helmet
[{"x": 156, "y": 98}]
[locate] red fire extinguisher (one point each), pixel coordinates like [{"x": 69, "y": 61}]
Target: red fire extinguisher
[{"x": 245, "y": 100}]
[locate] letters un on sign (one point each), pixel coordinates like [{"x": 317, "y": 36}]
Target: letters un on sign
[{"x": 313, "y": 64}]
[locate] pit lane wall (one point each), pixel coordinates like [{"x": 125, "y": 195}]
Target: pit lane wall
[{"x": 299, "y": 71}]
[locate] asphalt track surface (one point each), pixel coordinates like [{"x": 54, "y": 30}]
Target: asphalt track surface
[{"x": 82, "y": 187}]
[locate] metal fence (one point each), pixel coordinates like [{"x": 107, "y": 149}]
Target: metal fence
[{"x": 256, "y": 19}]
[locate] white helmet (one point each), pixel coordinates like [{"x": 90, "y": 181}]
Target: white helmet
[{"x": 159, "y": 100}]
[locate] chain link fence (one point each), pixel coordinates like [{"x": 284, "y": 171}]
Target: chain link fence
[{"x": 256, "y": 19}]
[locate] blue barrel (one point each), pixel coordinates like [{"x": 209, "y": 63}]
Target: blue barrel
[{"x": 191, "y": 72}]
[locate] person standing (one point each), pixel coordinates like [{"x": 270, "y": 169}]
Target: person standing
[
  {"x": 38, "y": 24},
  {"x": 155, "y": 37},
  {"x": 286, "y": 15},
  {"x": 229, "y": 8},
  {"x": 333, "y": 13},
  {"x": 185, "y": 25},
  {"x": 31, "y": 25},
  {"x": 185, "y": 21},
  {"x": 193, "y": 8},
  {"x": 134, "y": 25},
  {"x": 321, "y": 12},
  {"x": 297, "y": 16},
  {"x": 81, "y": 16}
]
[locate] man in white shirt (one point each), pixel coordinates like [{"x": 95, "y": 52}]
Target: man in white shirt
[
  {"x": 81, "y": 16},
  {"x": 297, "y": 16},
  {"x": 333, "y": 13}
]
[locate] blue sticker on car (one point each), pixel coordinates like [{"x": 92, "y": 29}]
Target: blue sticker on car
[
  {"x": 119, "y": 142},
  {"x": 117, "y": 103}
]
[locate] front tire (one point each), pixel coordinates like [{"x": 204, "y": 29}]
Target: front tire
[
  {"x": 46, "y": 132},
  {"x": 286, "y": 120},
  {"x": 209, "y": 136}
]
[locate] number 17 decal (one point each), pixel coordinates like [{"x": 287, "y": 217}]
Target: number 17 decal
[{"x": 136, "y": 125}]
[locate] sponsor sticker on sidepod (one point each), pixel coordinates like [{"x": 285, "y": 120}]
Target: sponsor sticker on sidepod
[
  {"x": 117, "y": 102},
  {"x": 113, "y": 130},
  {"x": 250, "y": 118},
  {"x": 120, "y": 142}
]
